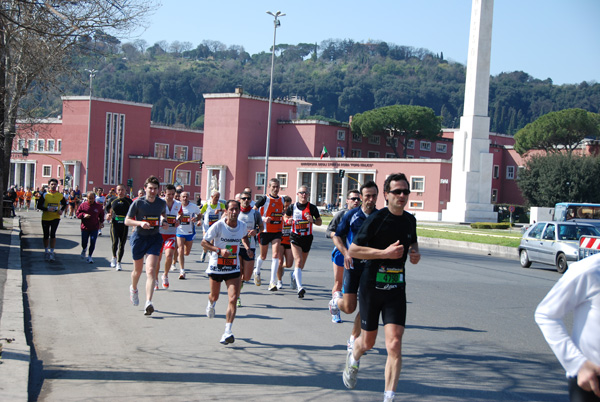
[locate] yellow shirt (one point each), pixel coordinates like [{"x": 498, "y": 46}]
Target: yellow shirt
[{"x": 52, "y": 203}]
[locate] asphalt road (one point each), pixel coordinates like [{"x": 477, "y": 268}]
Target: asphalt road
[{"x": 470, "y": 333}]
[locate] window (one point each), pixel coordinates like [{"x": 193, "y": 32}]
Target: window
[
  {"x": 416, "y": 204},
  {"x": 519, "y": 170},
  {"x": 340, "y": 152},
  {"x": 198, "y": 181},
  {"x": 168, "y": 178},
  {"x": 392, "y": 141},
  {"x": 180, "y": 152},
  {"x": 410, "y": 144},
  {"x": 341, "y": 135},
  {"x": 496, "y": 171},
  {"x": 510, "y": 172},
  {"x": 197, "y": 153},
  {"x": 59, "y": 145},
  {"x": 20, "y": 145},
  {"x": 46, "y": 171},
  {"x": 161, "y": 150},
  {"x": 417, "y": 184},
  {"x": 184, "y": 177},
  {"x": 374, "y": 139},
  {"x": 58, "y": 171},
  {"x": 51, "y": 145},
  {"x": 494, "y": 195},
  {"x": 31, "y": 145},
  {"x": 425, "y": 146},
  {"x": 197, "y": 196},
  {"x": 373, "y": 154},
  {"x": 441, "y": 148},
  {"x": 356, "y": 137},
  {"x": 536, "y": 232},
  {"x": 114, "y": 136},
  {"x": 390, "y": 155},
  {"x": 356, "y": 153},
  {"x": 283, "y": 179},
  {"x": 260, "y": 179}
]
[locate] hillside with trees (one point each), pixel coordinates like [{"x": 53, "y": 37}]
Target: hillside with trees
[{"x": 340, "y": 78}]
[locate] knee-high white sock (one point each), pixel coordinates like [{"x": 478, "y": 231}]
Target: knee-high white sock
[
  {"x": 298, "y": 275},
  {"x": 259, "y": 263},
  {"x": 274, "y": 268}
]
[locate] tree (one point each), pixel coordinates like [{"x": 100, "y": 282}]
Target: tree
[
  {"x": 548, "y": 179},
  {"x": 37, "y": 42},
  {"x": 403, "y": 122},
  {"x": 557, "y": 131}
]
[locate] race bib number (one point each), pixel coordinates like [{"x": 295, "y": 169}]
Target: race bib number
[
  {"x": 388, "y": 278},
  {"x": 152, "y": 221},
  {"x": 230, "y": 262},
  {"x": 185, "y": 219},
  {"x": 276, "y": 218},
  {"x": 212, "y": 218},
  {"x": 286, "y": 231},
  {"x": 120, "y": 218},
  {"x": 171, "y": 219},
  {"x": 52, "y": 207}
]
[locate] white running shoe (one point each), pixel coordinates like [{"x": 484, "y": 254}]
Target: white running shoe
[
  {"x": 350, "y": 344},
  {"x": 336, "y": 318},
  {"x": 182, "y": 274},
  {"x": 293, "y": 281},
  {"x": 257, "y": 281},
  {"x": 272, "y": 286},
  {"x": 149, "y": 308},
  {"x": 165, "y": 282},
  {"x": 119, "y": 268},
  {"x": 227, "y": 338},
  {"x": 83, "y": 254},
  {"x": 350, "y": 372},
  {"x": 279, "y": 285},
  {"x": 210, "y": 311},
  {"x": 89, "y": 260},
  {"x": 133, "y": 296},
  {"x": 333, "y": 307},
  {"x": 113, "y": 262}
]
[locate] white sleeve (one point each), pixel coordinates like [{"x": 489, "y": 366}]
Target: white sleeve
[{"x": 212, "y": 232}]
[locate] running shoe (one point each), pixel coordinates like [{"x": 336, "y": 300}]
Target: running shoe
[
  {"x": 350, "y": 372},
  {"x": 301, "y": 293},
  {"x": 182, "y": 274},
  {"x": 294, "y": 285},
  {"x": 350, "y": 344},
  {"x": 203, "y": 256},
  {"x": 210, "y": 311},
  {"x": 89, "y": 260},
  {"x": 257, "y": 281},
  {"x": 133, "y": 296},
  {"x": 279, "y": 285},
  {"x": 113, "y": 262},
  {"x": 47, "y": 256},
  {"x": 83, "y": 254},
  {"x": 51, "y": 257},
  {"x": 165, "y": 281},
  {"x": 239, "y": 302},
  {"x": 227, "y": 338},
  {"x": 333, "y": 307},
  {"x": 174, "y": 265},
  {"x": 119, "y": 268},
  {"x": 149, "y": 308},
  {"x": 388, "y": 398},
  {"x": 156, "y": 285},
  {"x": 336, "y": 318},
  {"x": 272, "y": 287},
  {"x": 99, "y": 233}
]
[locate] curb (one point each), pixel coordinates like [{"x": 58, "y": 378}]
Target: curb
[
  {"x": 469, "y": 247},
  {"x": 16, "y": 356}
]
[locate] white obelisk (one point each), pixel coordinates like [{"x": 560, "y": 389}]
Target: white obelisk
[{"x": 471, "y": 191}]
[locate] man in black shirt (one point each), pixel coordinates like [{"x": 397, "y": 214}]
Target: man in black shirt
[
  {"x": 386, "y": 239},
  {"x": 116, "y": 211}
]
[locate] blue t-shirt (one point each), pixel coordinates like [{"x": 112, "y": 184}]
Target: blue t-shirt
[{"x": 347, "y": 229}]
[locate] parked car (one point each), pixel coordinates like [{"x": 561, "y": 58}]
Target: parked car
[{"x": 553, "y": 243}]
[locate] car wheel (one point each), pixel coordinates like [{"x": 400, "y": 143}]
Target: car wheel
[
  {"x": 524, "y": 258},
  {"x": 561, "y": 263}
]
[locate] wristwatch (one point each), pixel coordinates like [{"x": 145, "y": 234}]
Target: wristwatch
[{"x": 218, "y": 251}]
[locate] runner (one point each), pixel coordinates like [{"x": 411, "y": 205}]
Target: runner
[
  {"x": 186, "y": 231},
  {"x": 116, "y": 213},
  {"x": 52, "y": 204},
  {"x": 211, "y": 212},
  {"x": 286, "y": 258},
  {"x": 305, "y": 215},
  {"x": 251, "y": 217},
  {"x": 386, "y": 239},
  {"x": 100, "y": 199},
  {"x": 223, "y": 239},
  {"x": 146, "y": 213},
  {"x": 28, "y": 196},
  {"x": 337, "y": 258},
  {"x": 72, "y": 201},
  {"x": 91, "y": 214},
  {"x": 271, "y": 209},
  {"x": 21, "y": 197},
  {"x": 169, "y": 234}
]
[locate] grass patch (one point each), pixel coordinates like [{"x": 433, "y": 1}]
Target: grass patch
[{"x": 470, "y": 237}]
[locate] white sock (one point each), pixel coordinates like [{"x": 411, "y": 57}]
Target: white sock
[
  {"x": 353, "y": 361},
  {"x": 298, "y": 275},
  {"x": 211, "y": 304},
  {"x": 228, "y": 327},
  {"x": 274, "y": 267},
  {"x": 389, "y": 394},
  {"x": 259, "y": 263}
]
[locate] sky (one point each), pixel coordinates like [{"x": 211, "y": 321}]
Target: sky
[{"x": 556, "y": 39}]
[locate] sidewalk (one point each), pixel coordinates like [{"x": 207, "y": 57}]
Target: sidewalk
[{"x": 14, "y": 367}]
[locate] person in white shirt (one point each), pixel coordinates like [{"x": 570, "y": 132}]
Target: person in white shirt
[
  {"x": 186, "y": 231},
  {"x": 577, "y": 291}
]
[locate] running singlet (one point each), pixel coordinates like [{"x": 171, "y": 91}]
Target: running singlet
[
  {"x": 272, "y": 207},
  {"x": 172, "y": 214},
  {"x": 300, "y": 214},
  {"x": 227, "y": 237},
  {"x": 186, "y": 226},
  {"x": 287, "y": 229},
  {"x": 52, "y": 205},
  {"x": 251, "y": 219},
  {"x": 211, "y": 214}
]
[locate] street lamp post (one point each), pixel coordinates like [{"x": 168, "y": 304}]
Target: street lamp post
[
  {"x": 276, "y": 23},
  {"x": 87, "y": 159}
]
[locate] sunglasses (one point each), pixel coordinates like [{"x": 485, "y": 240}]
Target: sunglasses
[
  {"x": 354, "y": 198},
  {"x": 399, "y": 191},
  {"x": 302, "y": 192},
  {"x": 245, "y": 198}
]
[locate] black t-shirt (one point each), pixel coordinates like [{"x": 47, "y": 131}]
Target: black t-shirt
[
  {"x": 120, "y": 206},
  {"x": 381, "y": 229}
]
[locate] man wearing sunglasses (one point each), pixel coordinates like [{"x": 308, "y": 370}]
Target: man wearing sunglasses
[
  {"x": 305, "y": 215},
  {"x": 251, "y": 217},
  {"x": 386, "y": 240}
]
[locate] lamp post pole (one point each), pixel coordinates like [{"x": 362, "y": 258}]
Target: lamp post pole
[
  {"x": 87, "y": 159},
  {"x": 276, "y": 23}
]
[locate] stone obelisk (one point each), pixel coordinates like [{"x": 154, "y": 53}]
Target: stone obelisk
[{"x": 471, "y": 191}]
